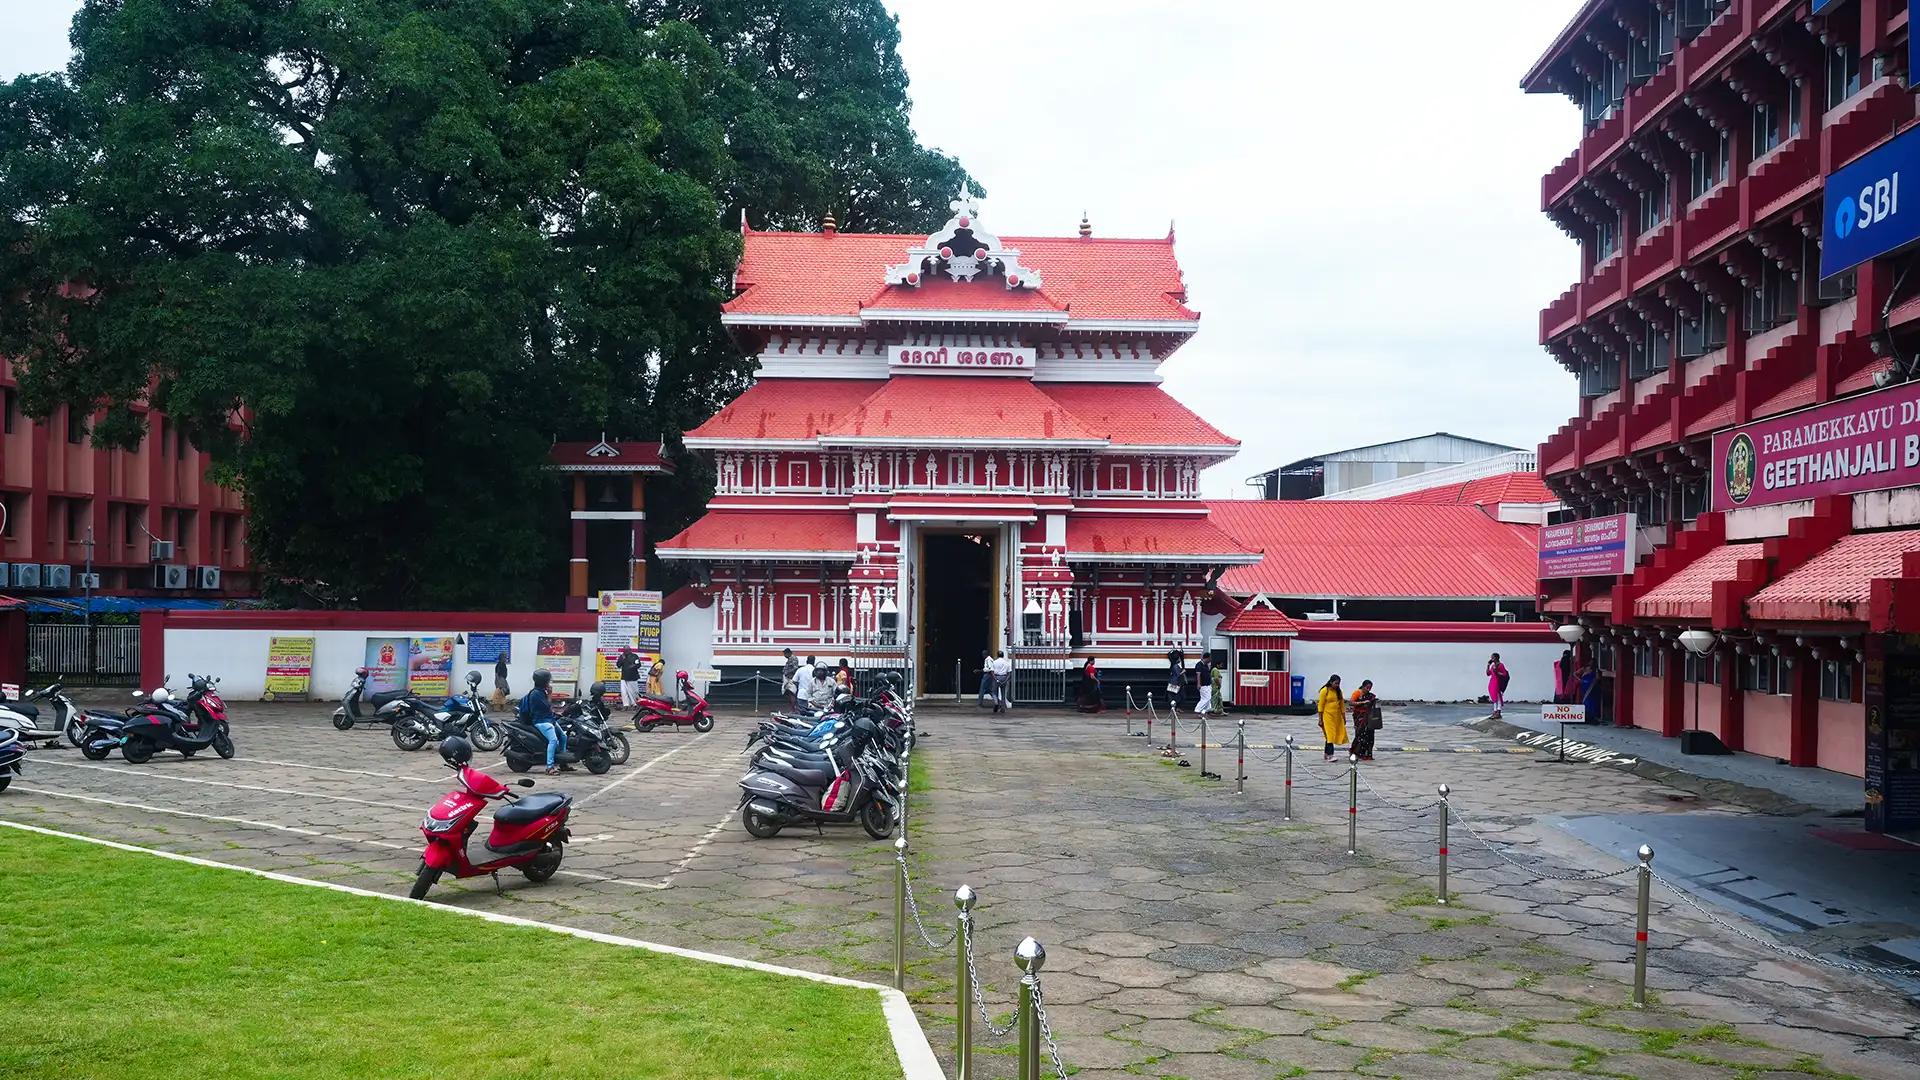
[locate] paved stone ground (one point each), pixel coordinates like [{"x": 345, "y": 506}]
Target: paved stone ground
[{"x": 1192, "y": 932}]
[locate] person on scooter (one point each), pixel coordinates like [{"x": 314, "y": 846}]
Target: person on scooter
[
  {"x": 537, "y": 709},
  {"x": 822, "y": 689}
]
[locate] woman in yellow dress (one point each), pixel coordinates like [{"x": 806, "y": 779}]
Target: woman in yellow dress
[{"x": 1333, "y": 714}]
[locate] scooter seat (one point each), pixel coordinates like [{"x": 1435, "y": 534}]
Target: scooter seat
[
  {"x": 27, "y": 711},
  {"x": 531, "y": 808},
  {"x": 800, "y": 774}
]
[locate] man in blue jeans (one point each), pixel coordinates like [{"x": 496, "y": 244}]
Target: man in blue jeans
[{"x": 537, "y": 709}]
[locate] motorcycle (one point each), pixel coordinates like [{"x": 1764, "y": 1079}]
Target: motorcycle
[
  {"x": 163, "y": 723},
  {"x": 653, "y": 712},
  {"x": 530, "y": 833},
  {"x": 11, "y": 751},
  {"x": 847, "y": 783},
  {"x": 589, "y": 723},
  {"x": 416, "y": 723},
  {"x": 526, "y": 748},
  {"x": 359, "y": 707}
]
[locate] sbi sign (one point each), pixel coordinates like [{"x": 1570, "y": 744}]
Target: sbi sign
[{"x": 1863, "y": 217}]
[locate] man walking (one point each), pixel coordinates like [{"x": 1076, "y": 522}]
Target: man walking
[
  {"x": 629, "y": 665},
  {"x": 1002, "y": 679},
  {"x": 788, "y": 671}
]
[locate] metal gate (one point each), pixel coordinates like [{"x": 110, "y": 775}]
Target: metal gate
[
  {"x": 1042, "y": 676},
  {"x": 58, "y": 652}
]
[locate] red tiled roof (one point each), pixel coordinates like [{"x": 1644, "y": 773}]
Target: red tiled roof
[
  {"x": 1689, "y": 593},
  {"x": 960, "y": 407},
  {"x": 787, "y": 409},
  {"x": 843, "y": 273},
  {"x": 1515, "y": 487},
  {"x": 1117, "y": 538},
  {"x": 1135, "y": 414},
  {"x": 629, "y": 456},
  {"x": 808, "y": 534},
  {"x": 1257, "y": 619},
  {"x": 1833, "y": 586},
  {"x": 1378, "y": 549}
]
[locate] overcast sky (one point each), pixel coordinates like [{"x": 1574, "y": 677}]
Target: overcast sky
[{"x": 1357, "y": 197}]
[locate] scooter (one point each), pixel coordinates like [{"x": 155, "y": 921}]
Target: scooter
[
  {"x": 589, "y": 724},
  {"x": 529, "y": 834},
  {"x": 847, "y": 784},
  {"x": 359, "y": 707},
  {"x": 416, "y": 723},
  {"x": 162, "y": 723},
  {"x": 526, "y": 748},
  {"x": 653, "y": 712},
  {"x": 23, "y": 719},
  {"x": 10, "y": 754}
]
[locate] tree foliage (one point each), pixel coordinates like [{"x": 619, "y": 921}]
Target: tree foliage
[{"x": 375, "y": 255}]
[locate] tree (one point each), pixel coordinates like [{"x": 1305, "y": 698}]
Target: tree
[{"x": 375, "y": 255}]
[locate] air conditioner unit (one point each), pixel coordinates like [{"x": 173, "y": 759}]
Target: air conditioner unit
[
  {"x": 159, "y": 551},
  {"x": 90, "y": 581},
  {"x": 26, "y": 575},
  {"x": 56, "y": 576},
  {"x": 1505, "y": 616},
  {"x": 206, "y": 577},
  {"x": 169, "y": 576}
]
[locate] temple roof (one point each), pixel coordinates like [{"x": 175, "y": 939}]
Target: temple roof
[{"x": 961, "y": 408}]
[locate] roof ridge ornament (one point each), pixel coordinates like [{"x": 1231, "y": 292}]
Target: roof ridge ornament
[
  {"x": 963, "y": 252},
  {"x": 603, "y": 448}
]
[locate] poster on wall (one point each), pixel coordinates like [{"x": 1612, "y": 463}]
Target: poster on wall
[
  {"x": 489, "y": 648},
  {"x": 289, "y": 669},
  {"x": 628, "y": 619},
  {"x": 430, "y": 666},
  {"x": 561, "y": 657},
  {"x": 386, "y": 663}
]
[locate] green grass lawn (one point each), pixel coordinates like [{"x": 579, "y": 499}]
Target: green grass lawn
[{"x": 118, "y": 964}]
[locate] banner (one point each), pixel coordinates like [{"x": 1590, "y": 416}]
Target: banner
[
  {"x": 561, "y": 657},
  {"x": 386, "y": 663},
  {"x": 628, "y": 619},
  {"x": 1865, "y": 443},
  {"x": 1591, "y": 548},
  {"x": 489, "y": 648},
  {"x": 289, "y": 668},
  {"x": 430, "y": 666}
]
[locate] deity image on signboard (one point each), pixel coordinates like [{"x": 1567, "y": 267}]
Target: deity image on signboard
[{"x": 1740, "y": 459}]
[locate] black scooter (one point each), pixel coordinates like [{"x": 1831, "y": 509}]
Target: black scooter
[
  {"x": 360, "y": 707},
  {"x": 589, "y": 721},
  {"x": 526, "y": 749},
  {"x": 417, "y": 723},
  {"x": 848, "y": 783},
  {"x": 160, "y": 724},
  {"x": 10, "y": 754}
]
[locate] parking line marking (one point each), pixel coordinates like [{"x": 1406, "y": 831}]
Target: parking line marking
[
  {"x": 228, "y": 784},
  {"x": 697, "y": 740},
  {"x": 704, "y": 841},
  {"x": 211, "y": 817},
  {"x": 331, "y": 768}
]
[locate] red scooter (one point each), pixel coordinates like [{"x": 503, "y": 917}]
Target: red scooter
[
  {"x": 653, "y": 712},
  {"x": 530, "y": 833}
]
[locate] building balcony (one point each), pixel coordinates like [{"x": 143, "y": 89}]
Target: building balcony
[
  {"x": 1559, "y": 180},
  {"x": 1603, "y": 286},
  {"x": 1562, "y": 315},
  {"x": 1784, "y": 176},
  {"x": 1864, "y": 121},
  {"x": 1654, "y": 255},
  {"x": 1712, "y": 219}
]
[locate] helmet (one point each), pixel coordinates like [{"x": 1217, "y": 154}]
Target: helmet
[
  {"x": 597, "y": 690},
  {"x": 161, "y": 696},
  {"x": 542, "y": 677},
  {"x": 680, "y": 675},
  {"x": 455, "y": 750},
  {"x": 360, "y": 671}
]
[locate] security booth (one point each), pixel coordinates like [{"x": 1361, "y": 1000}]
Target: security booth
[{"x": 1260, "y": 640}]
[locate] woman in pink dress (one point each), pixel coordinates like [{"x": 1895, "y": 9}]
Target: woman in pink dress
[{"x": 1496, "y": 683}]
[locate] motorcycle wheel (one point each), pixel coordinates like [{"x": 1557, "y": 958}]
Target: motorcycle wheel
[
  {"x": 223, "y": 745},
  {"x": 136, "y": 753},
  {"x": 422, "y": 881},
  {"x": 486, "y": 736},
  {"x": 619, "y": 748},
  {"x": 518, "y": 764},
  {"x": 598, "y": 763},
  {"x": 645, "y": 726},
  {"x": 759, "y": 826},
  {"x": 703, "y": 725},
  {"x": 408, "y": 737},
  {"x": 877, "y": 820},
  {"x": 188, "y": 754},
  {"x": 543, "y": 866},
  {"x": 76, "y": 732},
  {"x": 341, "y": 721},
  {"x": 92, "y": 754}
]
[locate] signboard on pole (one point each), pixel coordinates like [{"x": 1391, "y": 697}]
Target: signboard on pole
[
  {"x": 1564, "y": 714},
  {"x": 1591, "y": 548},
  {"x": 1865, "y": 443},
  {"x": 289, "y": 668},
  {"x": 629, "y": 619}
]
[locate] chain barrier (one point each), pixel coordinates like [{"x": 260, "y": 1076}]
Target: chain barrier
[
  {"x": 1535, "y": 870},
  {"x": 913, "y": 908},
  {"x": 980, "y": 1002},
  {"x": 1784, "y": 950},
  {"x": 1046, "y": 1031}
]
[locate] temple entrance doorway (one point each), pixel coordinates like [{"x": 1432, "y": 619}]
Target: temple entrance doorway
[{"x": 958, "y": 572}]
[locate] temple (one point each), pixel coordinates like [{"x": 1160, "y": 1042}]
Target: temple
[{"x": 958, "y": 443}]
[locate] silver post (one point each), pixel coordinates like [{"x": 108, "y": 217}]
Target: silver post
[
  {"x": 1203, "y": 746},
  {"x": 1240, "y": 770},
  {"x": 1149, "y": 718},
  {"x": 1030, "y": 956},
  {"x": 1640, "y": 927},
  {"x": 1173, "y": 727},
  {"x": 1446, "y": 810},
  {"x": 900, "y": 912},
  {"x": 963, "y": 899},
  {"x": 1353, "y": 804},
  {"x": 1286, "y": 813},
  {"x": 906, "y": 786},
  {"x": 959, "y": 681}
]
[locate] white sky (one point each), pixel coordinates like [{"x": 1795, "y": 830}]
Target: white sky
[{"x": 1357, "y": 196}]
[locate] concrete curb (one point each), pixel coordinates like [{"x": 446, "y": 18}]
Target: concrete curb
[{"x": 917, "y": 1061}]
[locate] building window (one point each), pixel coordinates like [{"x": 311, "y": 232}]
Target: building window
[
  {"x": 1703, "y": 669},
  {"x": 1693, "y": 497},
  {"x": 960, "y": 470},
  {"x": 798, "y": 474},
  {"x": 1843, "y": 73},
  {"x": 1696, "y": 15},
  {"x": 1649, "y": 506},
  {"x": 9, "y": 404},
  {"x": 1252, "y": 661},
  {"x": 1796, "y": 104},
  {"x": 76, "y": 426},
  {"x": 1709, "y": 165},
  {"x": 1652, "y": 352},
  {"x": 1601, "y": 376},
  {"x": 1650, "y": 661},
  {"x": 1702, "y": 330},
  {"x": 130, "y": 520},
  {"x": 1836, "y": 680},
  {"x": 1119, "y": 478},
  {"x": 1766, "y": 127},
  {"x": 1760, "y": 673},
  {"x": 1665, "y": 33},
  {"x": 11, "y": 504},
  {"x": 1826, "y": 290},
  {"x": 1653, "y": 207},
  {"x": 1773, "y": 300},
  {"x": 76, "y": 520},
  {"x": 1606, "y": 238}
]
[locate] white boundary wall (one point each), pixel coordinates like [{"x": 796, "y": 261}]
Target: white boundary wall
[
  {"x": 239, "y": 657},
  {"x": 1428, "y": 670}
]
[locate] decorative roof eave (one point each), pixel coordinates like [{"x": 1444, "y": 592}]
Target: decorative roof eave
[
  {"x": 756, "y": 318},
  {"x": 921, "y": 441},
  {"x": 1145, "y": 326},
  {"x": 744, "y": 554},
  {"x": 661, "y": 470},
  {"x": 697, "y": 442},
  {"x": 1060, "y": 319},
  {"x": 957, "y": 315},
  {"x": 1220, "y": 559},
  {"x": 938, "y": 255},
  {"x": 1221, "y": 450}
]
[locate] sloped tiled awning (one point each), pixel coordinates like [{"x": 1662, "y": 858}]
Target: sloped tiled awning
[
  {"x": 739, "y": 535},
  {"x": 1689, "y": 593},
  {"x": 1101, "y": 538},
  {"x": 1834, "y": 585}
]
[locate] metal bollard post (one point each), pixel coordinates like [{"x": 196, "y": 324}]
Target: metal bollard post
[
  {"x": 1173, "y": 727},
  {"x": 1240, "y": 770},
  {"x": 900, "y": 912},
  {"x": 1446, "y": 811},
  {"x": 1640, "y": 928},
  {"x": 906, "y": 787},
  {"x": 1030, "y": 956},
  {"x": 1286, "y": 812},
  {"x": 963, "y": 898},
  {"x": 1149, "y": 718},
  {"x": 959, "y": 682},
  {"x": 1353, "y": 804},
  {"x": 756, "y": 694},
  {"x": 1203, "y": 747}
]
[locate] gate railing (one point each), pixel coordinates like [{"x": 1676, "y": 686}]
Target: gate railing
[{"x": 60, "y": 652}]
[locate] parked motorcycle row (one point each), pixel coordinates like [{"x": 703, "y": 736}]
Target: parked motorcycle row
[
  {"x": 843, "y": 767},
  {"x": 162, "y": 721}
]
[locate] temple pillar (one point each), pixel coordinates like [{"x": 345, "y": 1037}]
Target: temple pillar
[
  {"x": 577, "y": 565},
  {"x": 1803, "y": 717},
  {"x": 639, "y": 534}
]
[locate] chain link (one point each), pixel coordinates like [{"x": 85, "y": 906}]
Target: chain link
[
  {"x": 1418, "y": 811},
  {"x": 979, "y": 1000},
  {"x": 1785, "y": 950},
  {"x": 1548, "y": 875},
  {"x": 913, "y": 907},
  {"x": 1046, "y": 1031}
]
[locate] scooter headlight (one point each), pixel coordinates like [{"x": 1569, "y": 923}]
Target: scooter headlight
[{"x": 438, "y": 825}]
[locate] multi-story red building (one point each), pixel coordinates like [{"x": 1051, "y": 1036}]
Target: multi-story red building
[
  {"x": 1732, "y": 386},
  {"x": 55, "y": 486}
]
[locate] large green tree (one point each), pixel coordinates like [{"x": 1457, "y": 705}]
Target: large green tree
[{"x": 375, "y": 254}]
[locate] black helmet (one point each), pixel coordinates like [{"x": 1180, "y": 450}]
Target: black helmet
[
  {"x": 597, "y": 690},
  {"x": 542, "y": 677},
  {"x": 455, "y": 750}
]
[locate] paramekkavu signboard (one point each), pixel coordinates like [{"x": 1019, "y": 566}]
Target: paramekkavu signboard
[
  {"x": 1865, "y": 443},
  {"x": 1593, "y": 548}
]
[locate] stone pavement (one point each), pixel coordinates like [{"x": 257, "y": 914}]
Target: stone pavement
[{"x": 1192, "y": 933}]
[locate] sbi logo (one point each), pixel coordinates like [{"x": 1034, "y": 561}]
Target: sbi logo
[{"x": 1876, "y": 203}]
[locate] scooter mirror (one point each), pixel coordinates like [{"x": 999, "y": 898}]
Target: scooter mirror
[
  {"x": 473, "y": 678},
  {"x": 524, "y": 782}
]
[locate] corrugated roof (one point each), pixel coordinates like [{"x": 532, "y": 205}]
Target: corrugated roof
[
  {"x": 956, "y": 407},
  {"x": 1689, "y": 593},
  {"x": 787, "y": 409},
  {"x": 821, "y": 535},
  {"x": 1135, "y": 414},
  {"x": 1833, "y": 586},
  {"x": 1258, "y": 619},
  {"x": 1515, "y": 487},
  {"x": 1382, "y": 549},
  {"x": 1118, "y": 538}
]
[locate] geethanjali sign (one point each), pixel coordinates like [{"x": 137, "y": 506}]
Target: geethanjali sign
[{"x": 1866, "y": 443}]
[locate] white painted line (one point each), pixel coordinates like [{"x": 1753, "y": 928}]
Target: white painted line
[
  {"x": 150, "y": 775},
  {"x": 209, "y": 817},
  {"x": 641, "y": 769},
  {"x": 331, "y": 768},
  {"x": 917, "y": 1061},
  {"x": 704, "y": 841}
]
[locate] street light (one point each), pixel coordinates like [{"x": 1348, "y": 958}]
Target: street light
[
  {"x": 1571, "y": 633},
  {"x": 1699, "y": 643}
]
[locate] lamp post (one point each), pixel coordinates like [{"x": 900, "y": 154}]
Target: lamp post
[{"x": 1698, "y": 642}]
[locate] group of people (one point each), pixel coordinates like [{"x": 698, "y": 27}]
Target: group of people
[
  {"x": 630, "y": 664},
  {"x": 814, "y": 684},
  {"x": 996, "y": 680},
  {"x": 1204, "y": 677},
  {"x": 1335, "y": 707}
]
